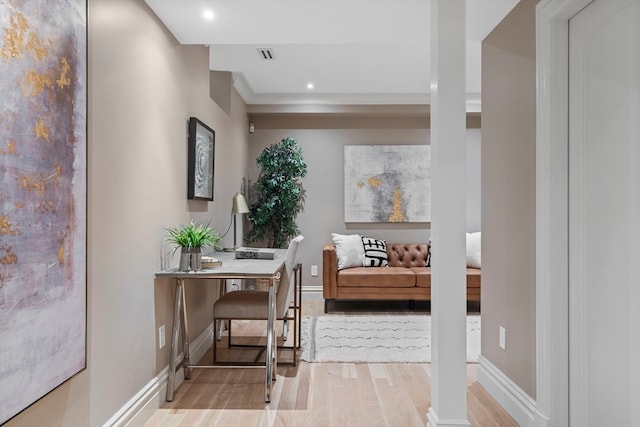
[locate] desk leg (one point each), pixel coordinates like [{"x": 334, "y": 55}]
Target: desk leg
[
  {"x": 175, "y": 335},
  {"x": 186, "y": 361},
  {"x": 274, "y": 353},
  {"x": 270, "y": 356},
  {"x": 298, "y": 305}
]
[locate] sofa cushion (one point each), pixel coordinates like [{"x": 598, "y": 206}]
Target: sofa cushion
[
  {"x": 423, "y": 276},
  {"x": 407, "y": 254},
  {"x": 380, "y": 277},
  {"x": 349, "y": 250},
  {"x": 474, "y": 277},
  {"x": 375, "y": 252}
]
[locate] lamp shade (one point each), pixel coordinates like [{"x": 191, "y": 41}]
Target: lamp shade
[{"x": 239, "y": 205}]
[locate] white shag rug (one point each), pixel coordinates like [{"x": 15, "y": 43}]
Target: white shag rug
[{"x": 376, "y": 339}]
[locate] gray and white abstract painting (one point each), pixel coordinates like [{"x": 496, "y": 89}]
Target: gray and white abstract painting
[{"x": 387, "y": 183}]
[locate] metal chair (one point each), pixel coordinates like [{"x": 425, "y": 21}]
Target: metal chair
[{"x": 253, "y": 305}]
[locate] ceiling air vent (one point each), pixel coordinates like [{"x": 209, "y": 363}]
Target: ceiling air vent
[{"x": 266, "y": 54}]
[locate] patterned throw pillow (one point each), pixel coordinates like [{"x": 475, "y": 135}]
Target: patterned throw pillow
[
  {"x": 375, "y": 252},
  {"x": 428, "y": 263}
]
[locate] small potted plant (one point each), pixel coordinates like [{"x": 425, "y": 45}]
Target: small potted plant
[{"x": 191, "y": 238}]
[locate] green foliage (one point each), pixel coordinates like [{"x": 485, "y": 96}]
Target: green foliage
[
  {"x": 194, "y": 236},
  {"x": 279, "y": 196}
]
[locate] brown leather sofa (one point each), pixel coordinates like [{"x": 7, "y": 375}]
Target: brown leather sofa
[{"x": 406, "y": 277}]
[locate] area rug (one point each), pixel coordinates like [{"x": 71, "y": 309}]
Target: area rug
[{"x": 376, "y": 339}]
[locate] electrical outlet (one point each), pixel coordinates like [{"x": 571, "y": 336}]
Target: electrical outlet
[
  {"x": 161, "y": 336},
  {"x": 503, "y": 338},
  {"x": 314, "y": 270}
]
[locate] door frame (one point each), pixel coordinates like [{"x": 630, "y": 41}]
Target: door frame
[{"x": 552, "y": 212}]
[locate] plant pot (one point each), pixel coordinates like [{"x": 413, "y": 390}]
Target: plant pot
[{"x": 190, "y": 259}]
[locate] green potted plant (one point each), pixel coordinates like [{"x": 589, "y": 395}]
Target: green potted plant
[
  {"x": 277, "y": 195},
  {"x": 191, "y": 238}
]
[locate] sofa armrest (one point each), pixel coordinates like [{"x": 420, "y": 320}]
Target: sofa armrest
[{"x": 329, "y": 272}]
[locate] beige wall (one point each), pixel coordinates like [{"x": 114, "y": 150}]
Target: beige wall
[
  {"x": 508, "y": 195},
  {"x": 143, "y": 86},
  {"x": 322, "y": 139}
]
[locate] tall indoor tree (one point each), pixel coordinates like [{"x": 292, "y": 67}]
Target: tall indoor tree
[{"x": 277, "y": 197}]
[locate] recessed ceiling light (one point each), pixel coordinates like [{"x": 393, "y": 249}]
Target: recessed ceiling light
[
  {"x": 208, "y": 14},
  {"x": 309, "y": 86}
]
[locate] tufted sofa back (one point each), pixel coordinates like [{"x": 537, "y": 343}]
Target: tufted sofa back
[{"x": 407, "y": 254}]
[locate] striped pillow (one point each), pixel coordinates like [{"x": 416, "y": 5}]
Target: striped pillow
[{"x": 375, "y": 252}]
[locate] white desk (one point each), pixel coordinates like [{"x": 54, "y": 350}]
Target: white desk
[{"x": 231, "y": 269}]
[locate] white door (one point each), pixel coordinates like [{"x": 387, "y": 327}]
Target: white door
[{"x": 604, "y": 214}]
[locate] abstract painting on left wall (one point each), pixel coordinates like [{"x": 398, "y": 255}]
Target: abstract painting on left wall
[{"x": 43, "y": 187}]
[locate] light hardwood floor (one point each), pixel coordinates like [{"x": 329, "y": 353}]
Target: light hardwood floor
[{"x": 318, "y": 394}]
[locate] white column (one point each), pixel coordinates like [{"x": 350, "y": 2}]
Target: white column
[{"x": 448, "y": 227}]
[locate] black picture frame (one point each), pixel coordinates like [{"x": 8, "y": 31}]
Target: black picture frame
[{"x": 201, "y": 160}]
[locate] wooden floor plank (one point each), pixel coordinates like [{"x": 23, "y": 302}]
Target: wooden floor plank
[{"x": 316, "y": 394}]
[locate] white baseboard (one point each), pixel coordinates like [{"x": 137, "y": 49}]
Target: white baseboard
[
  {"x": 141, "y": 407},
  {"x": 312, "y": 293},
  {"x": 513, "y": 399}
]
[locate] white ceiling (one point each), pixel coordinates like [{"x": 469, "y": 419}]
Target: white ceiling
[{"x": 353, "y": 51}]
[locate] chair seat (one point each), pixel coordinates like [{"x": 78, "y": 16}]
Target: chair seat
[{"x": 246, "y": 305}]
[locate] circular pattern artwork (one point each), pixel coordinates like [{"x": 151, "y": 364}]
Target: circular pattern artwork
[
  {"x": 201, "y": 155},
  {"x": 203, "y": 165}
]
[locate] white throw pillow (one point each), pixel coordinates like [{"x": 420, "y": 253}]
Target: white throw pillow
[
  {"x": 474, "y": 250},
  {"x": 349, "y": 250}
]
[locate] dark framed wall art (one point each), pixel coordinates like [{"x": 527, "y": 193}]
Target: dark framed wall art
[
  {"x": 202, "y": 142},
  {"x": 43, "y": 186}
]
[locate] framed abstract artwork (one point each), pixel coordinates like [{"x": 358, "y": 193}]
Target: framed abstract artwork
[
  {"x": 43, "y": 200},
  {"x": 387, "y": 183},
  {"x": 202, "y": 140}
]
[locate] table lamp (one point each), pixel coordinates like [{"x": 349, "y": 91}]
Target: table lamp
[{"x": 239, "y": 206}]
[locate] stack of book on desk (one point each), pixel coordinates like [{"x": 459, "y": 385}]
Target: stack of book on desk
[
  {"x": 255, "y": 253},
  {"x": 210, "y": 262}
]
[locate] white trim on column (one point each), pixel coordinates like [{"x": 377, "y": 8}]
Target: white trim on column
[
  {"x": 448, "y": 215},
  {"x": 433, "y": 420},
  {"x": 552, "y": 256}
]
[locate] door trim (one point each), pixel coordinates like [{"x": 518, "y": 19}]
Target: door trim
[{"x": 552, "y": 173}]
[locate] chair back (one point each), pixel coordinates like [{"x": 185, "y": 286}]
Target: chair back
[{"x": 284, "y": 293}]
